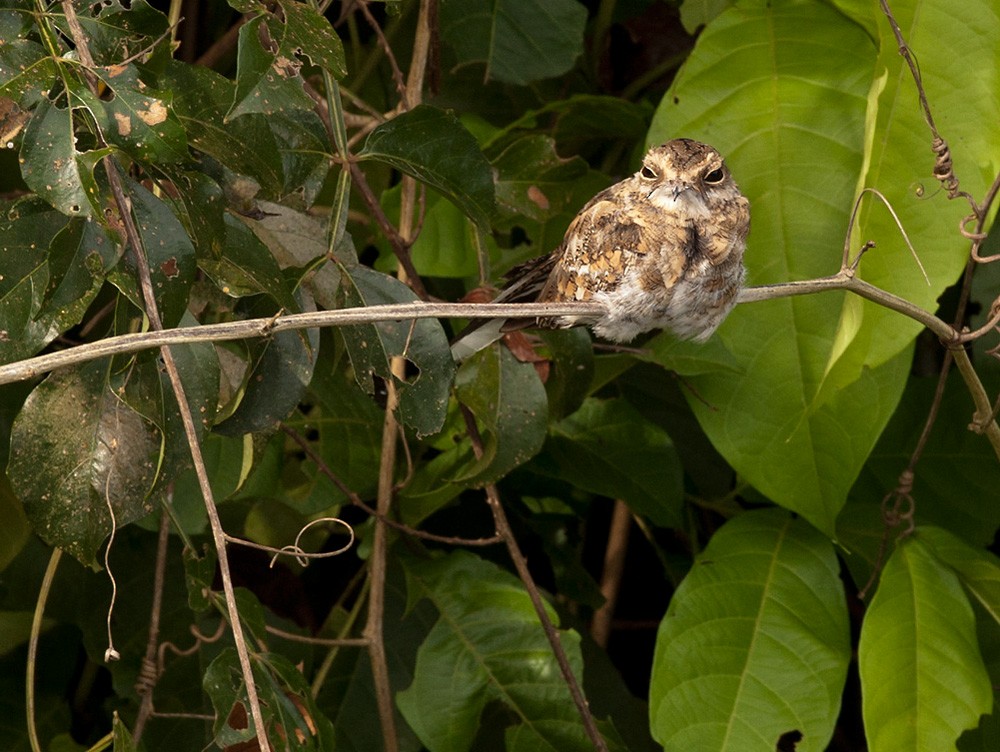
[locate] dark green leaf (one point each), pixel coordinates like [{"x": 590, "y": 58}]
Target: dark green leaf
[
  {"x": 508, "y": 401},
  {"x": 486, "y": 646},
  {"x": 98, "y": 451},
  {"x": 26, "y": 71},
  {"x": 139, "y": 118},
  {"x": 27, "y": 230},
  {"x": 122, "y": 737},
  {"x": 51, "y": 165},
  {"x": 304, "y": 149},
  {"x": 434, "y": 147},
  {"x": 307, "y": 34},
  {"x": 519, "y": 41},
  {"x": 171, "y": 257},
  {"x": 116, "y": 32},
  {"x": 533, "y": 181},
  {"x": 281, "y": 369},
  {"x": 248, "y": 268},
  {"x": 763, "y": 603},
  {"x": 265, "y": 82},
  {"x": 423, "y": 396},
  {"x": 199, "y": 575},
  {"x": 201, "y": 100},
  {"x": 607, "y": 447},
  {"x": 200, "y": 205}
]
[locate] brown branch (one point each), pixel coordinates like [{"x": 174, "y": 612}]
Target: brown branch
[
  {"x": 152, "y": 313},
  {"x": 521, "y": 565},
  {"x": 614, "y": 568},
  {"x": 373, "y": 631},
  {"x": 149, "y": 675}
]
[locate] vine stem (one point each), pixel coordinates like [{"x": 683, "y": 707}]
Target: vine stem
[
  {"x": 36, "y": 632},
  {"x": 190, "y": 430}
]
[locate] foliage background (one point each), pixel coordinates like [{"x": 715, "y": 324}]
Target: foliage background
[{"x": 290, "y": 158}]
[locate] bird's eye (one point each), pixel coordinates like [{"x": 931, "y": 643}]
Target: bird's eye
[
  {"x": 715, "y": 176},
  {"x": 647, "y": 173}
]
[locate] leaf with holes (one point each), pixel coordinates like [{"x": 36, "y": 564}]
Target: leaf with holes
[
  {"x": 307, "y": 34},
  {"x": 265, "y": 81},
  {"x": 99, "y": 452},
  {"x": 51, "y": 165},
  {"x": 423, "y": 397},
  {"x": 139, "y": 118},
  {"x": 923, "y": 681},
  {"x": 755, "y": 645}
]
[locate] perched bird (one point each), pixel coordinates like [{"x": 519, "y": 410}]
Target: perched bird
[{"x": 662, "y": 249}]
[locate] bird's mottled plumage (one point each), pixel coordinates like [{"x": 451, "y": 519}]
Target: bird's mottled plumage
[{"x": 662, "y": 249}]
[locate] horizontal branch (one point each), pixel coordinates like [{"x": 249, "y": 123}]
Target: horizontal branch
[{"x": 252, "y": 328}]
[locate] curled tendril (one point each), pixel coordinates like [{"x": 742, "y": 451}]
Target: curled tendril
[{"x": 301, "y": 556}]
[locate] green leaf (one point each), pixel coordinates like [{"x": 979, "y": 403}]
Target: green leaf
[
  {"x": 434, "y": 147},
  {"x": 201, "y": 100},
  {"x": 922, "y": 677},
  {"x": 200, "y": 206},
  {"x": 115, "y": 32},
  {"x": 304, "y": 147},
  {"x": 423, "y": 398},
  {"x": 487, "y": 645},
  {"x": 27, "y": 228},
  {"x": 519, "y": 41},
  {"x": 139, "y": 118},
  {"x": 171, "y": 256},
  {"x": 98, "y": 451},
  {"x": 607, "y": 447},
  {"x": 750, "y": 88},
  {"x": 281, "y": 368},
  {"x": 265, "y": 81},
  {"x": 51, "y": 165},
  {"x": 248, "y": 268},
  {"x": 308, "y": 34},
  {"x": 978, "y": 569},
  {"x": 123, "y": 740},
  {"x": 899, "y": 163},
  {"x": 533, "y": 181},
  {"x": 755, "y": 643},
  {"x": 26, "y": 71},
  {"x": 697, "y": 13},
  {"x": 509, "y": 403},
  {"x": 445, "y": 246}
]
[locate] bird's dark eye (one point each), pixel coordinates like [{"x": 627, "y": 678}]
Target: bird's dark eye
[
  {"x": 715, "y": 176},
  {"x": 647, "y": 173}
]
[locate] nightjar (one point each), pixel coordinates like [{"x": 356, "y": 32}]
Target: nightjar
[{"x": 662, "y": 249}]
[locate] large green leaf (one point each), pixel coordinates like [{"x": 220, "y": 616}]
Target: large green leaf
[
  {"x": 755, "y": 644},
  {"x": 978, "y": 570},
  {"x": 519, "y": 41},
  {"x": 26, "y": 71},
  {"x": 98, "y": 450},
  {"x": 608, "y": 447},
  {"x": 487, "y": 645},
  {"x": 899, "y": 163},
  {"x": 753, "y": 87},
  {"x": 922, "y": 677},
  {"x": 434, "y": 147}
]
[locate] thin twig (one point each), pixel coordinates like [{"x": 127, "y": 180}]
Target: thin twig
[
  {"x": 36, "y": 631},
  {"x": 149, "y": 671},
  {"x": 614, "y": 569},
  {"x": 505, "y": 531},
  {"x": 152, "y": 313},
  {"x": 373, "y": 632}
]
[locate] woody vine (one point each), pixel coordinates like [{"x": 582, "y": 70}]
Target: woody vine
[{"x": 224, "y": 328}]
